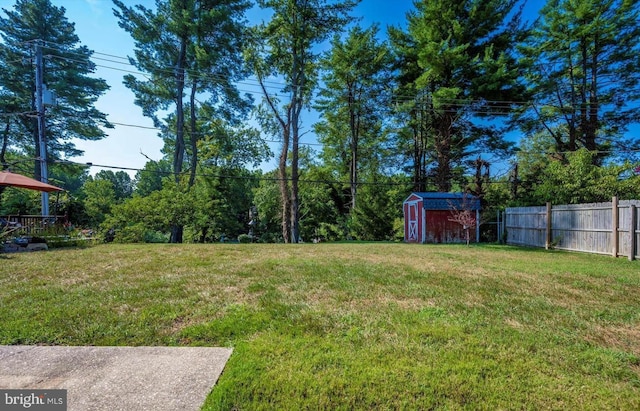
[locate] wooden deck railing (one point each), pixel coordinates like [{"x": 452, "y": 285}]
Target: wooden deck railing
[{"x": 31, "y": 224}]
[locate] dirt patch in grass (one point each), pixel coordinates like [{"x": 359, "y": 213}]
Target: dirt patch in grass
[
  {"x": 178, "y": 324},
  {"x": 513, "y": 323},
  {"x": 624, "y": 338}
]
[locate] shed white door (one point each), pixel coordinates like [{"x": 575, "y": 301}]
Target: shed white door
[{"x": 413, "y": 222}]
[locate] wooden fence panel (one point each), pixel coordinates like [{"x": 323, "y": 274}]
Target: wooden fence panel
[
  {"x": 526, "y": 226},
  {"x": 591, "y": 228},
  {"x": 624, "y": 235},
  {"x": 582, "y": 227}
]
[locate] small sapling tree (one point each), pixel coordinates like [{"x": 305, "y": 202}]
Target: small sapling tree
[{"x": 464, "y": 215}]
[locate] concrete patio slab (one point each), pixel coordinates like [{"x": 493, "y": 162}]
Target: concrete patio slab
[{"x": 116, "y": 378}]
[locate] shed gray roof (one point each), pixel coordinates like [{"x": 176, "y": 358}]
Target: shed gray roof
[{"x": 445, "y": 201}]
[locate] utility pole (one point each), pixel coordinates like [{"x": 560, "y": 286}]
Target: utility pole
[{"x": 42, "y": 142}]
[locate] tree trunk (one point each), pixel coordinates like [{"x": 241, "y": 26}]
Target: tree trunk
[
  {"x": 417, "y": 161},
  {"x": 3, "y": 151},
  {"x": 593, "y": 97},
  {"x": 178, "y": 155},
  {"x": 194, "y": 135},
  {"x": 295, "y": 201},
  {"x": 420, "y": 132},
  {"x": 353, "y": 166},
  {"x": 176, "y": 233},
  {"x": 571, "y": 117},
  {"x": 443, "y": 153},
  {"x": 5, "y": 144},
  {"x": 423, "y": 135},
  {"x": 296, "y": 108},
  {"x": 298, "y": 86},
  {"x": 584, "y": 101},
  {"x": 284, "y": 186}
]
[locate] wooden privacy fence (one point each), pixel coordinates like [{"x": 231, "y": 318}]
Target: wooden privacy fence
[{"x": 600, "y": 228}]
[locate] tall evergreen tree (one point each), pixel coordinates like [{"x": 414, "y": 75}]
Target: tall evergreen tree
[
  {"x": 187, "y": 47},
  {"x": 353, "y": 102},
  {"x": 414, "y": 120},
  {"x": 583, "y": 68},
  {"x": 285, "y": 47},
  {"x": 467, "y": 70},
  {"x": 67, "y": 71}
]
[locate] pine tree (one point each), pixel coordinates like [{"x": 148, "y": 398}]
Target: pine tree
[
  {"x": 353, "y": 102},
  {"x": 465, "y": 56},
  {"x": 583, "y": 69},
  {"x": 187, "y": 47},
  {"x": 67, "y": 71},
  {"x": 414, "y": 120}
]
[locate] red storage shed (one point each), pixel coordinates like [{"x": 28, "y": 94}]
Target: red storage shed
[{"x": 427, "y": 217}]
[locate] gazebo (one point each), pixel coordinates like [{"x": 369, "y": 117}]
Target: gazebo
[{"x": 12, "y": 224}]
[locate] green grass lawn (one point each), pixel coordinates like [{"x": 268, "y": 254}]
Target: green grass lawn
[{"x": 351, "y": 326}]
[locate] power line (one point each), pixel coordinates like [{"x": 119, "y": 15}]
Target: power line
[
  {"x": 147, "y": 76},
  {"x": 495, "y": 180},
  {"x": 135, "y": 126},
  {"x": 471, "y": 106},
  {"x": 621, "y": 150},
  {"x": 22, "y": 113},
  {"x": 169, "y": 71},
  {"x": 394, "y": 97},
  {"x": 200, "y": 133},
  {"x": 498, "y": 179},
  {"x": 234, "y": 177}
]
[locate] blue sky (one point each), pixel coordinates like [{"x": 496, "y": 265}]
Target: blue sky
[
  {"x": 130, "y": 147},
  {"x": 98, "y": 29}
]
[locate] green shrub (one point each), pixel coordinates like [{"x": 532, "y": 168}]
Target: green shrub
[
  {"x": 245, "y": 238},
  {"x": 268, "y": 237},
  {"x": 155, "y": 237},
  {"x": 131, "y": 234},
  {"x": 398, "y": 229}
]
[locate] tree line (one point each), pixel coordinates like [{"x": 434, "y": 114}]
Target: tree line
[{"x": 463, "y": 88}]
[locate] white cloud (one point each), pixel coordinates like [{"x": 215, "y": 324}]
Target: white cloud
[{"x": 97, "y": 6}]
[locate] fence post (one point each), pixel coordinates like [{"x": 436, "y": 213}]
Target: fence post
[
  {"x": 632, "y": 232},
  {"x": 503, "y": 237},
  {"x": 548, "y": 232},
  {"x": 615, "y": 222}
]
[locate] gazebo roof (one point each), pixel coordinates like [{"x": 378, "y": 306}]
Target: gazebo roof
[{"x": 8, "y": 178}]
